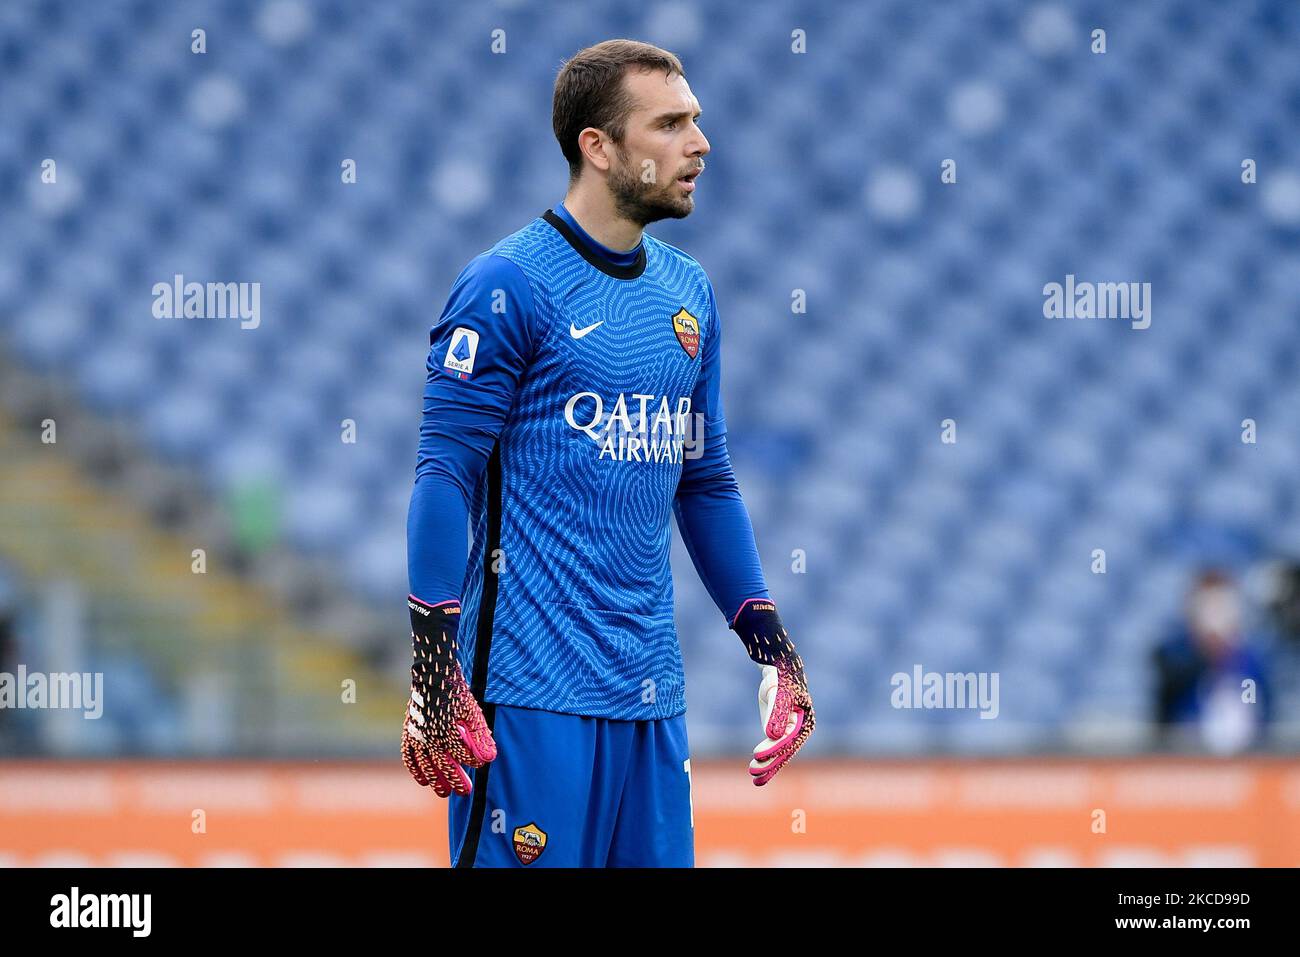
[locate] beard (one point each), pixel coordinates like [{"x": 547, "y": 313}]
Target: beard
[{"x": 644, "y": 203}]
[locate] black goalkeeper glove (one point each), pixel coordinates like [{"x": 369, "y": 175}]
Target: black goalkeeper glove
[{"x": 444, "y": 726}]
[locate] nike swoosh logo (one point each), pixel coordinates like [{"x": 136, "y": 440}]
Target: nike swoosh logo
[{"x": 579, "y": 333}]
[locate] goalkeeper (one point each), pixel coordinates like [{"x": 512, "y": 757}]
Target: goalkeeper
[{"x": 572, "y": 406}]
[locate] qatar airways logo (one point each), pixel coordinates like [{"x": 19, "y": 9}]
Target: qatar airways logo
[{"x": 639, "y": 427}]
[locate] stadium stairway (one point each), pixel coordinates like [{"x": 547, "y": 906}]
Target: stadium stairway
[{"x": 144, "y": 597}]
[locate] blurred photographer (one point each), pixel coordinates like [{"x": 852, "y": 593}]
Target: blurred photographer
[{"x": 1212, "y": 676}]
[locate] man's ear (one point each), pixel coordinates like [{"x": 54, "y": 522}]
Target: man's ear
[{"x": 595, "y": 146}]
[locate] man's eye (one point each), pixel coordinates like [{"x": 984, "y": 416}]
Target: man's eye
[{"x": 670, "y": 124}]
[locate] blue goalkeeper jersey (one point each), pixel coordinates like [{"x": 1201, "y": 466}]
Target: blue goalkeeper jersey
[{"x": 590, "y": 380}]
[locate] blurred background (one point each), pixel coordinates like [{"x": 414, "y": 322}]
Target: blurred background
[{"x": 211, "y": 513}]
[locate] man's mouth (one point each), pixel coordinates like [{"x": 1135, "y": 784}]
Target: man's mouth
[{"x": 688, "y": 181}]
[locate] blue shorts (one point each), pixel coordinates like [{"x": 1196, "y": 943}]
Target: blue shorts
[{"x": 572, "y": 791}]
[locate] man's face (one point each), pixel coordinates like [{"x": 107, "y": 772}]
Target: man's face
[
  {"x": 652, "y": 172},
  {"x": 1216, "y": 618}
]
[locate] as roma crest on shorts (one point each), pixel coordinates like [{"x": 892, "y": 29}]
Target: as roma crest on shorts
[
  {"x": 687, "y": 328},
  {"x": 530, "y": 841}
]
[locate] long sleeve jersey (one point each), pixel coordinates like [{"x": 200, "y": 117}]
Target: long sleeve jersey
[{"x": 572, "y": 405}]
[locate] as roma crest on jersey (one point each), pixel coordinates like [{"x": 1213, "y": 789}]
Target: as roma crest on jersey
[
  {"x": 530, "y": 841},
  {"x": 687, "y": 328}
]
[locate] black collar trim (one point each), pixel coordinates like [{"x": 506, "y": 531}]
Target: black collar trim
[{"x": 631, "y": 271}]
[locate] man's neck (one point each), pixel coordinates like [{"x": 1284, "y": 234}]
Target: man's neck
[{"x": 595, "y": 213}]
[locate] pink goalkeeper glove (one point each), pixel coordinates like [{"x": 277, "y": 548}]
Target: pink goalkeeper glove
[
  {"x": 444, "y": 726},
  {"x": 784, "y": 703}
]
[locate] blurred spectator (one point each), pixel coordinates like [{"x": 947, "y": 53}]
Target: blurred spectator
[
  {"x": 1203, "y": 669},
  {"x": 8, "y": 654},
  {"x": 1284, "y": 600}
]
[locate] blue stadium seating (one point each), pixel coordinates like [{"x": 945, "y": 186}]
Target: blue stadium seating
[{"x": 924, "y": 299}]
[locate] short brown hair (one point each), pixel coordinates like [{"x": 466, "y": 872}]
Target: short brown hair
[{"x": 589, "y": 91}]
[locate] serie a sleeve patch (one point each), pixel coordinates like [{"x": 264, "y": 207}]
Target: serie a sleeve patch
[{"x": 461, "y": 352}]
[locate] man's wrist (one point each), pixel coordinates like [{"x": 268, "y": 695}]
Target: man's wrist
[
  {"x": 427, "y": 618},
  {"x": 434, "y": 630},
  {"x": 753, "y": 605},
  {"x": 759, "y": 626}
]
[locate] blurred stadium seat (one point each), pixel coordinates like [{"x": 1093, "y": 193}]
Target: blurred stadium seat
[{"x": 924, "y": 304}]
